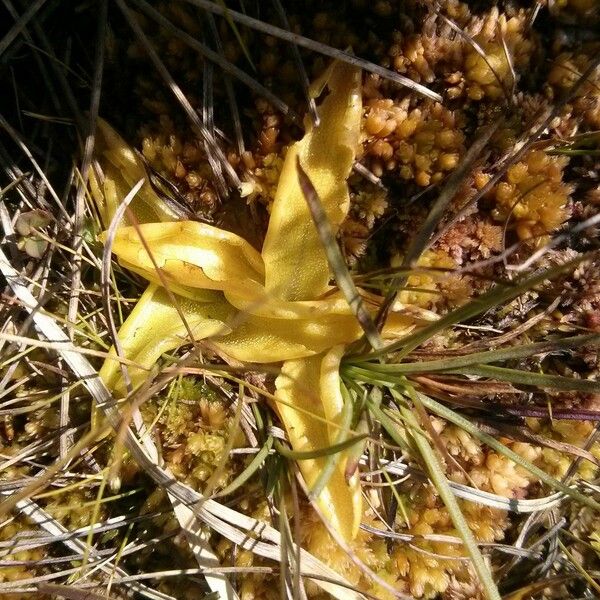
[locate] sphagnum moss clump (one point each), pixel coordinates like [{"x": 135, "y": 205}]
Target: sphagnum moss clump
[
  {"x": 488, "y": 63},
  {"x": 533, "y": 199}
]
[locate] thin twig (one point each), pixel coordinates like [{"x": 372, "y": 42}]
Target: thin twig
[
  {"x": 227, "y": 66},
  {"x": 300, "y": 69},
  {"x": 216, "y": 153},
  {"x": 300, "y": 40},
  {"x": 233, "y": 106},
  {"x": 105, "y": 280}
]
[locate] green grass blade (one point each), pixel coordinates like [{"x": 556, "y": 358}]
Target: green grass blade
[
  {"x": 488, "y": 356},
  {"x": 462, "y": 422},
  {"x": 254, "y": 465},
  {"x": 575, "y": 561},
  {"x": 436, "y": 474},
  {"x": 318, "y": 452},
  {"x": 539, "y": 380},
  {"x": 237, "y": 34},
  {"x": 435, "y": 407},
  {"x": 335, "y": 259},
  {"x": 498, "y": 295},
  {"x": 389, "y": 425},
  {"x": 342, "y": 436}
]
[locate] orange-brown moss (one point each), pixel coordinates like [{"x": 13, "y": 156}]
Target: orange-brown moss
[
  {"x": 416, "y": 144},
  {"x": 533, "y": 198},
  {"x": 566, "y": 69}
]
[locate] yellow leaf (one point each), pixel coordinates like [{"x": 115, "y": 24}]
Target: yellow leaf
[
  {"x": 257, "y": 301},
  {"x": 190, "y": 254},
  {"x": 261, "y": 340},
  {"x": 331, "y": 397},
  {"x": 296, "y": 266},
  {"x": 308, "y": 384},
  {"x": 155, "y": 327},
  {"x": 196, "y": 294},
  {"x": 122, "y": 169}
]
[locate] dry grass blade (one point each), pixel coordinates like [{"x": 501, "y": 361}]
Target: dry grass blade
[
  {"x": 204, "y": 554},
  {"x": 50, "y": 472},
  {"x": 69, "y": 592},
  {"x": 511, "y": 66},
  {"x": 336, "y": 260},
  {"x": 40, "y": 64},
  {"x": 575, "y": 562},
  {"x": 59, "y": 67},
  {"x": 216, "y": 153},
  {"x": 537, "y": 380},
  {"x": 229, "y": 90},
  {"x": 589, "y": 443},
  {"x": 36, "y": 539},
  {"x": 105, "y": 282},
  {"x": 300, "y": 40},
  {"x": 29, "y": 451},
  {"x": 312, "y": 106},
  {"x": 16, "y": 29},
  {"x": 555, "y": 241},
  {"x": 521, "y": 433},
  {"x": 57, "y": 345},
  {"x": 23, "y": 147},
  {"x": 514, "y": 505},
  {"x": 86, "y": 162},
  {"x": 447, "y": 539},
  {"x": 213, "y": 56},
  {"x": 58, "y": 531},
  {"x": 560, "y": 414}
]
